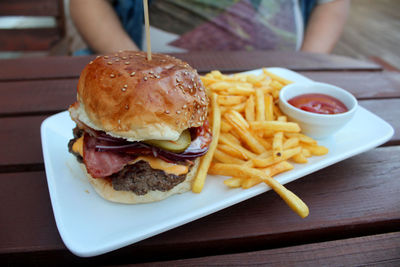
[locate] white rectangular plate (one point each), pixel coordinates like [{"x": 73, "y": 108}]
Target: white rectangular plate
[{"x": 90, "y": 225}]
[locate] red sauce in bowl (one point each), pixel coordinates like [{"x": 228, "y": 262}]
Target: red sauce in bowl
[{"x": 318, "y": 103}]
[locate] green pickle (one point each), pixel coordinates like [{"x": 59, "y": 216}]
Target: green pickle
[{"x": 177, "y": 146}]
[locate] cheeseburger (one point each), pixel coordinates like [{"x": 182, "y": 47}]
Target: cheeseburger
[{"x": 141, "y": 126}]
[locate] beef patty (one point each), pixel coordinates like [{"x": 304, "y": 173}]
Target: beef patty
[{"x": 141, "y": 178}]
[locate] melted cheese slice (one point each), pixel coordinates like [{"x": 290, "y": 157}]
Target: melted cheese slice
[{"x": 155, "y": 163}]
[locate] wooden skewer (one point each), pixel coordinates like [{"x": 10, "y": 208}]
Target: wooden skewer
[{"x": 147, "y": 28}]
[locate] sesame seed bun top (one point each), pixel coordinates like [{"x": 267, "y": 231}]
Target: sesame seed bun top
[{"x": 128, "y": 96}]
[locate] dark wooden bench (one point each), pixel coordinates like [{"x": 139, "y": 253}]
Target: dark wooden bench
[{"x": 32, "y": 39}]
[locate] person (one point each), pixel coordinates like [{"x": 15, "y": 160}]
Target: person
[{"x": 187, "y": 25}]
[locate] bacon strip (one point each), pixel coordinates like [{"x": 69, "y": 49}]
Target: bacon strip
[{"x": 102, "y": 164}]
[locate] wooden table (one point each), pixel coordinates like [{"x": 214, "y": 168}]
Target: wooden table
[{"x": 354, "y": 204}]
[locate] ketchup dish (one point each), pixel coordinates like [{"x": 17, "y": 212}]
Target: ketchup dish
[{"x": 320, "y": 109}]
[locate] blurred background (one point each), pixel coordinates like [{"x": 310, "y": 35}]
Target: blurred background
[{"x": 44, "y": 28}]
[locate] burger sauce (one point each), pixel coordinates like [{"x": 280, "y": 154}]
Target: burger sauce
[{"x": 318, "y": 103}]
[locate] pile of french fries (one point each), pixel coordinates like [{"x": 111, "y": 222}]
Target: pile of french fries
[{"x": 252, "y": 139}]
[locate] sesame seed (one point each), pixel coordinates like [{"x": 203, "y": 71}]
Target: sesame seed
[
  {"x": 119, "y": 121},
  {"x": 109, "y": 62},
  {"x": 97, "y": 56},
  {"x": 117, "y": 60},
  {"x": 125, "y": 85},
  {"x": 158, "y": 76},
  {"x": 167, "y": 111},
  {"x": 130, "y": 56},
  {"x": 124, "y": 58},
  {"x": 120, "y": 51},
  {"x": 126, "y": 106},
  {"x": 178, "y": 112},
  {"x": 91, "y": 62},
  {"x": 151, "y": 72},
  {"x": 145, "y": 78},
  {"x": 112, "y": 75},
  {"x": 133, "y": 74},
  {"x": 127, "y": 63},
  {"x": 184, "y": 106},
  {"x": 123, "y": 89},
  {"x": 106, "y": 57}
]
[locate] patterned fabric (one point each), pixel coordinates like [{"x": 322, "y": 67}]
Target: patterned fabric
[{"x": 227, "y": 25}]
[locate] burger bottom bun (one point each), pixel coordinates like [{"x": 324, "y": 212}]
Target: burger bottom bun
[{"x": 104, "y": 188}]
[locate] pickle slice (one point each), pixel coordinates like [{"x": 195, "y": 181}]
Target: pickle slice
[{"x": 175, "y": 146}]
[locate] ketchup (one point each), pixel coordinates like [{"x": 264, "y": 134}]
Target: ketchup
[{"x": 318, "y": 103}]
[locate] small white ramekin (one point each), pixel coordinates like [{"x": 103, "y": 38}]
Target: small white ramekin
[{"x": 318, "y": 126}]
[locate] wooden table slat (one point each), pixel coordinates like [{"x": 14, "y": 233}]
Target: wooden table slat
[
  {"x": 363, "y": 85},
  {"x": 375, "y": 250},
  {"x": 67, "y": 67},
  {"x": 371, "y": 205}
]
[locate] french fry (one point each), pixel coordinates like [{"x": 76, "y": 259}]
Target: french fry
[
  {"x": 303, "y": 138},
  {"x": 216, "y": 74},
  {"x": 225, "y": 137},
  {"x": 225, "y": 140},
  {"x": 276, "y": 85},
  {"x": 276, "y": 77},
  {"x": 277, "y": 111},
  {"x": 269, "y": 110},
  {"x": 225, "y": 158},
  {"x": 233, "y": 182},
  {"x": 244, "y": 133},
  {"x": 264, "y": 142},
  {"x": 219, "y": 86},
  {"x": 232, "y": 151},
  {"x": 225, "y": 127},
  {"x": 230, "y": 100},
  {"x": 277, "y": 145},
  {"x": 275, "y": 126},
  {"x": 260, "y": 106},
  {"x": 291, "y": 142},
  {"x": 299, "y": 158},
  {"x": 306, "y": 152},
  {"x": 239, "y": 119},
  {"x": 239, "y": 107},
  {"x": 271, "y": 171},
  {"x": 205, "y": 161},
  {"x": 317, "y": 150},
  {"x": 286, "y": 154},
  {"x": 249, "y": 109},
  {"x": 240, "y": 89},
  {"x": 289, "y": 197}
]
